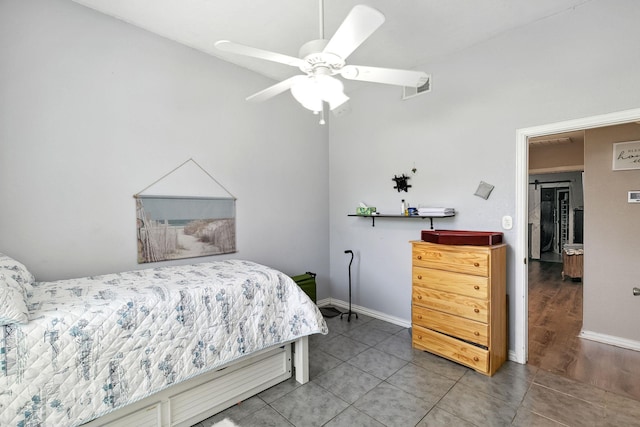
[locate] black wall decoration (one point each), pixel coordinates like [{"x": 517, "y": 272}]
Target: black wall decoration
[{"x": 401, "y": 183}]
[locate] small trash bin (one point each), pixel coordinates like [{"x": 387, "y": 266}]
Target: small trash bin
[{"x": 307, "y": 282}]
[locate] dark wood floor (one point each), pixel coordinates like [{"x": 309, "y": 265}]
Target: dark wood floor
[{"x": 555, "y": 320}]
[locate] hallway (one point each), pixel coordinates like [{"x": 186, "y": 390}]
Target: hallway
[{"x": 555, "y": 320}]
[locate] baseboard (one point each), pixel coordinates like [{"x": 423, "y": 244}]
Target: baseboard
[
  {"x": 365, "y": 311},
  {"x": 513, "y": 357},
  {"x": 610, "y": 339}
]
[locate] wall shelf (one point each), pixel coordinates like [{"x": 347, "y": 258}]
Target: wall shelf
[{"x": 373, "y": 217}]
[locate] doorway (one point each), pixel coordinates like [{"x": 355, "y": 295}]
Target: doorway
[
  {"x": 555, "y": 305},
  {"x": 520, "y": 295}
]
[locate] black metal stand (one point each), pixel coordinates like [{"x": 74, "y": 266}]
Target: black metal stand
[{"x": 349, "y": 313}]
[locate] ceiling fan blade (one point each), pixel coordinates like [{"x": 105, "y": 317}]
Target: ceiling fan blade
[
  {"x": 384, "y": 75},
  {"x": 359, "y": 24},
  {"x": 274, "y": 90},
  {"x": 240, "y": 49}
]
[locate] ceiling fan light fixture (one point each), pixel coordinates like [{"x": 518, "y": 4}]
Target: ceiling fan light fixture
[{"x": 312, "y": 91}]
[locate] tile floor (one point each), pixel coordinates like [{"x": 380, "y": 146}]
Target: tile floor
[{"x": 365, "y": 373}]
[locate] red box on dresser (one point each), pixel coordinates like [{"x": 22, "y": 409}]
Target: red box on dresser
[{"x": 462, "y": 237}]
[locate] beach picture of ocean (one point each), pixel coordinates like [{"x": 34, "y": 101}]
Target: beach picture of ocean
[{"x": 184, "y": 227}]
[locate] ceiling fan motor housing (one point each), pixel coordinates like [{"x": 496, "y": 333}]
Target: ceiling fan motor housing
[{"x": 313, "y": 54}]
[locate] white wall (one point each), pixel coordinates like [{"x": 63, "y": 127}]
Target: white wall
[
  {"x": 575, "y": 64},
  {"x": 92, "y": 110}
]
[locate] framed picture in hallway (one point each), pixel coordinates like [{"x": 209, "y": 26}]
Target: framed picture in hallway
[{"x": 626, "y": 155}]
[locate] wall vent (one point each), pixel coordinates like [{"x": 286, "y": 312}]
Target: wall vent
[{"x": 410, "y": 92}]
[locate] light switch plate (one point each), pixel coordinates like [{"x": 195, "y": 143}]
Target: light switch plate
[{"x": 507, "y": 222}]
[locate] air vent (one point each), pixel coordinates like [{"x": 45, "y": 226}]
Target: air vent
[{"x": 410, "y": 92}]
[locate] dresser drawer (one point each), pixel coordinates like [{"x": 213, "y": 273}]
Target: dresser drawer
[
  {"x": 451, "y": 348},
  {"x": 460, "y": 327},
  {"x": 464, "y": 284},
  {"x": 458, "y": 305},
  {"x": 461, "y": 259}
]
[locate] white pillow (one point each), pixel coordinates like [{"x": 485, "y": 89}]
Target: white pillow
[
  {"x": 17, "y": 271},
  {"x": 13, "y": 307}
]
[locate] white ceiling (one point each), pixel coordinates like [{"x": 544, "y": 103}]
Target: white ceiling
[{"x": 415, "y": 31}]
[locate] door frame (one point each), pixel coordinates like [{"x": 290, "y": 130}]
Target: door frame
[{"x": 520, "y": 352}]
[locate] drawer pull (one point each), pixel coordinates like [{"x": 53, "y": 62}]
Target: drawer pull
[
  {"x": 420, "y": 316},
  {"x": 476, "y": 359},
  {"x": 419, "y": 257},
  {"x": 476, "y": 264},
  {"x": 419, "y": 337},
  {"x": 476, "y": 333},
  {"x": 419, "y": 296},
  {"x": 420, "y": 277},
  {"x": 476, "y": 310},
  {"x": 476, "y": 287}
]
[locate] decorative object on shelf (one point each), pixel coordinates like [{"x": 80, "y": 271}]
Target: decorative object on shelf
[
  {"x": 401, "y": 183},
  {"x": 184, "y": 218},
  {"x": 428, "y": 211},
  {"x": 369, "y": 210},
  {"x": 363, "y": 209},
  {"x": 484, "y": 190}
]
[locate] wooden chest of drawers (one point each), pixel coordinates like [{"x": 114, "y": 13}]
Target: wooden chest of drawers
[{"x": 459, "y": 307}]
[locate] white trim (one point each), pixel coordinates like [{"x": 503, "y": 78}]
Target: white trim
[
  {"x": 522, "y": 152},
  {"x": 323, "y": 302},
  {"x": 610, "y": 339},
  {"x": 558, "y": 169},
  {"x": 365, "y": 311}
]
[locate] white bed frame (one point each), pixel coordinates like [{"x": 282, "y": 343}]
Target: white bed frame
[{"x": 200, "y": 397}]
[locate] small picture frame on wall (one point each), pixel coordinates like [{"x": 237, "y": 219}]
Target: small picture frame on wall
[{"x": 626, "y": 155}]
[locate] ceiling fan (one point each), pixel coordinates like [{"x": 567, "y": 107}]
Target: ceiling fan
[{"x": 321, "y": 60}]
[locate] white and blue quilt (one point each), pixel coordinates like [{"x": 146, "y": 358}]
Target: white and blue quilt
[{"x": 95, "y": 344}]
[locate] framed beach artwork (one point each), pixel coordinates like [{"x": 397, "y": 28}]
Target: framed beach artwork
[
  {"x": 202, "y": 223},
  {"x": 184, "y": 227}
]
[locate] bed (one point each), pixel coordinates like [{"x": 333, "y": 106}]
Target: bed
[{"x": 165, "y": 346}]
